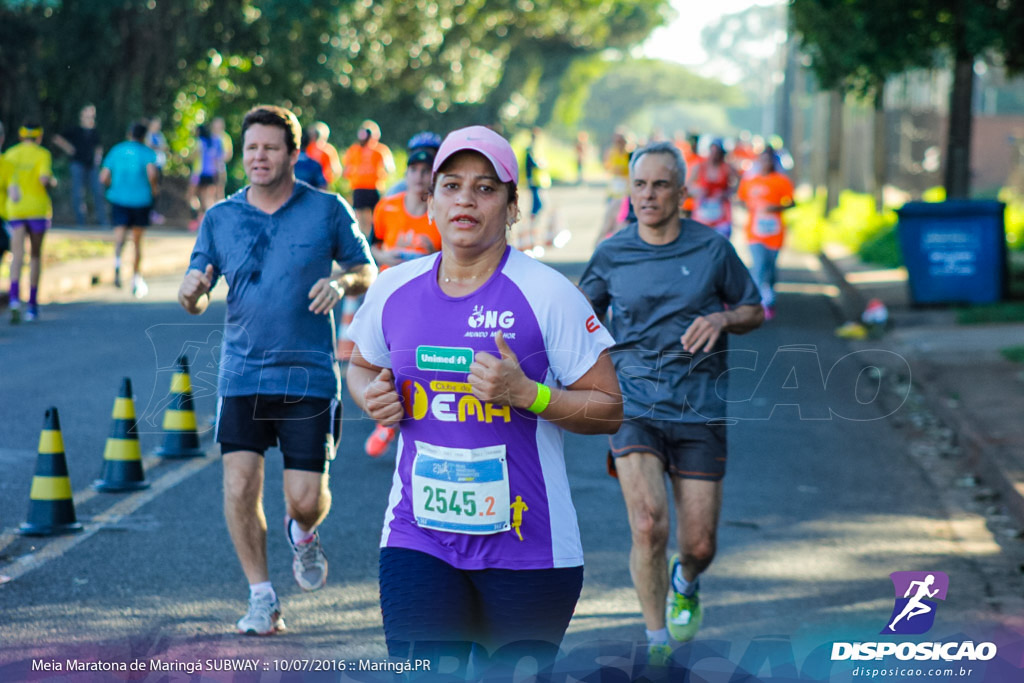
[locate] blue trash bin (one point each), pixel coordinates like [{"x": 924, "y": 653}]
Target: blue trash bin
[{"x": 955, "y": 251}]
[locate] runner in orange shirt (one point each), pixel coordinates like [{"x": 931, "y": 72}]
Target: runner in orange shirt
[
  {"x": 711, "y": 183},
  {"x": 366, "y": 166},
  {"x": 767, "y": 194},
  {"x": 403, "y": 230},
  {"x": 323, "y": 152},
  {"x": 693, "y": 160}
]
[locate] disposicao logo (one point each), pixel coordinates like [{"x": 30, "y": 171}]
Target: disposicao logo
[
  {"x": 913, "y": 614},
  {"x": 916, "y": 593}
]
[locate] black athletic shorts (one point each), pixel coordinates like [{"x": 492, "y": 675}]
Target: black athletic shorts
[
  {"x": 365, "y": 199},
  {"x": 307, "y": 429},
  {"x": 129, "y": 216},
  {"x": 687, "y": 450}
]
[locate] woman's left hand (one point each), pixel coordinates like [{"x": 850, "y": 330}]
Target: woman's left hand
[{"x": 500, "y": 380}]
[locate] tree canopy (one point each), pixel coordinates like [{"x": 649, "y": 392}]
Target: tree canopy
[
  {"x": 405, "y": 63},
  {"x": 856, "y": 45},
  {"x": 627, "y": 88}
]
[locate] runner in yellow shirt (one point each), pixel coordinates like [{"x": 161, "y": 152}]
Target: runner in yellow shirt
[{"x": 27, "y": 174}]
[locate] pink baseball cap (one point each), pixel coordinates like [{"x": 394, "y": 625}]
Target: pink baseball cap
[{"x": 484, "y": 141}]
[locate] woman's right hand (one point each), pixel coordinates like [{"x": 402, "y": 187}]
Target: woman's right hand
[{"x": 381, "y": 400}]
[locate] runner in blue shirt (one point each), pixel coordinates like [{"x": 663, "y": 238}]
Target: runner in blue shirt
[
  {"x": 274, "y": 242},
  {"x": 130, "y": 173}
]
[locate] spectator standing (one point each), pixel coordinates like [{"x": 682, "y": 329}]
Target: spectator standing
[{"x": 82, "y": 143}]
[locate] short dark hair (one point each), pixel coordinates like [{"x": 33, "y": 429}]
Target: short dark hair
[
  {"x": 138, "y": 132},
  {"x": 271, "y": 115}
]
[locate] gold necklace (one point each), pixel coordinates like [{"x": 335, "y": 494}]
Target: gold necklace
[{"x": 467, "y": 278}]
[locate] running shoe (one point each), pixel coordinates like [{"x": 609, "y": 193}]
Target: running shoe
[
  {"x": 377, "y": 443},
  {"x": 32, "y": 312},
  {"x": 309, "y": 564},
  {"x": 682, "y": 612},
  {"x": 15, "y": 312},
  {"x": 658, "y": 654},
  {"x": 117, "y": 278},
  {"x": 769, "y": 312},
  {"x": 139, "y": 287},
  {"x": 263, "y": 618}
]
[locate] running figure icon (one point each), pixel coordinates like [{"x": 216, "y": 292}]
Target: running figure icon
[{"x": 915, "y": 606}]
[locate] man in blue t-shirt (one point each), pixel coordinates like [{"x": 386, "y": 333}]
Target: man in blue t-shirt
[
  {"x": 130, "y": 174},
  {"x": 275, "y": 242}
]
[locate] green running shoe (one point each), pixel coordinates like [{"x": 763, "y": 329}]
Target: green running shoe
[
  {"x": 682, "y": 613},
  {"x": 659, "y": 654}
]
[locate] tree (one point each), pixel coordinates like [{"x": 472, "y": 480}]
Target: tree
[
  {"x": 627, "y": 88},
  {"x": 408, "y": 63},
  {"x": 856, "y": 45}
]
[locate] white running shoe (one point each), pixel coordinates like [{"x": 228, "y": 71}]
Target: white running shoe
[
  {"x": 263, "y": 618},
  {"x": 139, "y": 287},
  {"x": 309, "y": 564}
]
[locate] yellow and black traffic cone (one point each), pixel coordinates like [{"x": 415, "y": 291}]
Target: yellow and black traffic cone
[
  {"x": 51, "y": 510},
  {"x": 122, "y": 458},
  {"x": 180, "y": 437}
]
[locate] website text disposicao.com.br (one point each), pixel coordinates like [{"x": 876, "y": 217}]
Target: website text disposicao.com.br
[
  {"x": 903, "y": 672},
  {"x": 958, "y": 659}
]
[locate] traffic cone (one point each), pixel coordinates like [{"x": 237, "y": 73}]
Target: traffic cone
[
  {"x": 349, "y": 306},
  {"x": 51, "y": 510},
  {"x": 122, "y": 458},
  {"x": 180, "y": 437}
]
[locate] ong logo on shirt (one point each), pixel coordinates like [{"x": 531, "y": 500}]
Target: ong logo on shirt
[
  {"x": 480, "y": 318},
  {"x": 916, "y": 592}
]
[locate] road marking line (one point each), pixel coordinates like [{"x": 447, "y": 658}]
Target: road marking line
[{"x": 56, "y": 548}]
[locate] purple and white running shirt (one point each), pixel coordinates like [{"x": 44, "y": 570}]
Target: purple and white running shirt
[{"x": 479, "y": 485}]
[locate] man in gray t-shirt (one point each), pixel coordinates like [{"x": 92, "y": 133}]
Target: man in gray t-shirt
[
  {"x": 674, "y": 288},
  {"x": 275, "y": 242}
]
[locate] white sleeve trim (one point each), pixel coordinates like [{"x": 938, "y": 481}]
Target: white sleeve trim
[{"x": 564, "y": 315}]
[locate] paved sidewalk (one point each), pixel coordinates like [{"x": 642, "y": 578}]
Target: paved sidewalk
[
  {"x": 164, "y": 251},
  {"x": 965, "y": 380}
]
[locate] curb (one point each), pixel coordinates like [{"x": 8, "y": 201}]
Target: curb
[
  {"x": 161, "y": 256},
  {"x": 984, "y": 457}
]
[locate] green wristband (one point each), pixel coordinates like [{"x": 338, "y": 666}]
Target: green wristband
[{"x": 542, "y": 400}]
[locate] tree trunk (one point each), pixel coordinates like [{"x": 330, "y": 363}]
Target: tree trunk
[
  {"x": 958, "y": 142},
  {"x": 879, "y": 147},
  {"x": 796, "y": 142},
  {"x": 834, "y": 167}
]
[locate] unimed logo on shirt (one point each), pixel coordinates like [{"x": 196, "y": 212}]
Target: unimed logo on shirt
[{"x": 444, "y": 358}]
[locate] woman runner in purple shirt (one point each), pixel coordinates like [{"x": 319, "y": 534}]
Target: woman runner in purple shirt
[{"x": 484, "y": 356}]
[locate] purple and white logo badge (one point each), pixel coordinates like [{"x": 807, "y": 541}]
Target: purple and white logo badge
[{"x": 916, "y": 592}]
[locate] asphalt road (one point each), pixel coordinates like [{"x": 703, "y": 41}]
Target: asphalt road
[{"x": 822, "y": 503}]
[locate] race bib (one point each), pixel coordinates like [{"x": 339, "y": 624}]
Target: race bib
[
  {"x": 767, "y": 224},
  {"x": 461, "y": 490},
  {"x": 710, "y": 210}
]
